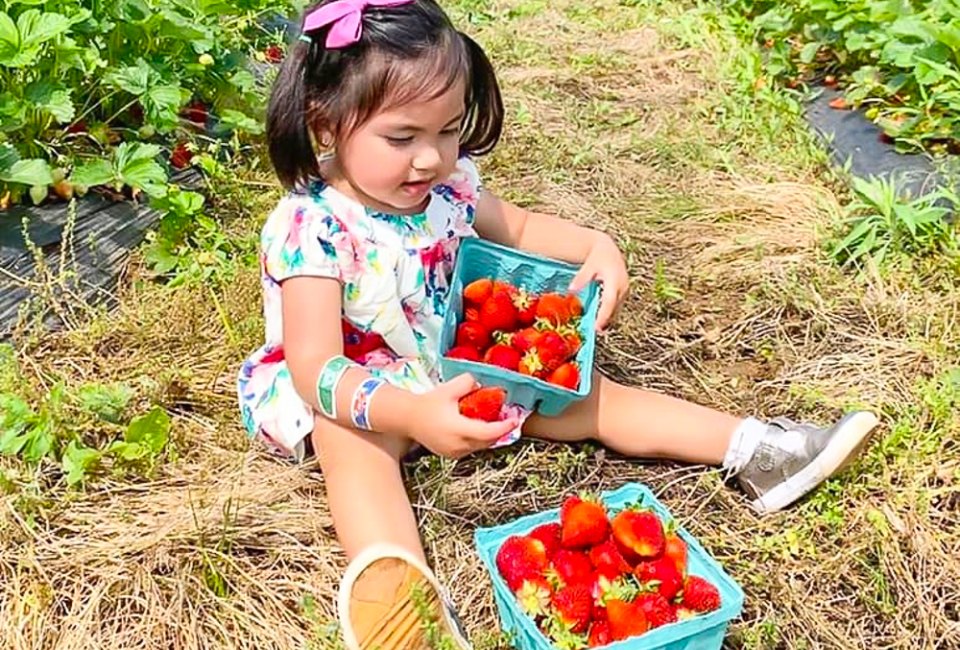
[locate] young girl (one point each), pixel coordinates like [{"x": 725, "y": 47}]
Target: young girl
[{"x": 372, "y": 124}]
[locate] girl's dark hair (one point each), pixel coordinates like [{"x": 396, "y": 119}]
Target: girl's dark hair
[{"x": 405, "y": 52}]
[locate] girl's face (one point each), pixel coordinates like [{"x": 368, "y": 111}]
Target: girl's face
[{"x": 393, "y": 160}]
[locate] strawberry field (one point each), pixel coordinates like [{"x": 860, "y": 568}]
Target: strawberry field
[
  {"x": 134, "y": 513},
  {"x": 92, "y": 93},
  {"x": 899, "y": 60}
]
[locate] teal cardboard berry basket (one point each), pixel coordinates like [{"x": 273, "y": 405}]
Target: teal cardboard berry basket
[
  {"x": 482, "y": 259},
  {"x": 703, "y": 632}
]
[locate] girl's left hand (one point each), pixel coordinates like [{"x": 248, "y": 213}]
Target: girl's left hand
[{"x": 605, "y": 264}]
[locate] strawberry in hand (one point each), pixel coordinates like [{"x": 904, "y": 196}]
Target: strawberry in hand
[{"x": 484, "y": 403}]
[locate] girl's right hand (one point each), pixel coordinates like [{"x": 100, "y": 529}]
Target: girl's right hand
[{"x": 441, "y": 428}]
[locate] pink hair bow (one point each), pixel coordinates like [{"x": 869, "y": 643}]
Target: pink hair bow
[{"x": 344, "y": 17}]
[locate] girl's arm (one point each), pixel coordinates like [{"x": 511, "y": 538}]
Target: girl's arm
[
  {"x": 312, "y": 335},
  {"x": 595, "y": 252},
  {"x": 548, "y": 235}
]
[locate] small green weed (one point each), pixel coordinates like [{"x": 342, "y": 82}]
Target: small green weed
[
  {"x": 324, "y": 634},
  {"x": 190, "y": 247},
  {"x": 665, "y": 292},
  {"x": 436, "y": 637},
  {"x": 882, "y": 224},
  {"x": 54, "y": 426}
]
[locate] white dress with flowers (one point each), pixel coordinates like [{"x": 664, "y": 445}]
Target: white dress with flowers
[{"x": 395, "y": 271}]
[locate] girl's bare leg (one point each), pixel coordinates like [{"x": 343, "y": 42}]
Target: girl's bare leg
[
  {"x": 775, "y": 463},
  {"x": 641, "y": 424},
  {"x": 388, "y": 588},
  {"x": 365, "y": 490}
]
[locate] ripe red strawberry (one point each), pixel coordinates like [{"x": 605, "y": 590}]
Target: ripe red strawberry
[
  {"x": 484, "y": 403},
  {"x": 574, "y": 306},
  {"x": 526, "y": 304},
  {"x": 273, "y": 54},
  {"x": 524, "y": 340},
  {"x": 503, "y": 356},
  {"x": 499, "y": 286},
  {"x": 675, "y": 548},
  {"x": 473, "y": 335},
  {"x": 657, "y": 609},
  {"x": 181, "y": 157},
  {"x": 531, "y": 365},
  {"x": 574, "y": 343},
  {"x": 661, "y": 574},
  {"x": 196, "y": 112},
  {"x": 521, "y": 558},
  {"x": 79, "y": 126},
  {"x": 478, "y": 291},
  {"x": 639, "y": 534},
  {"x": 700, "y": 595},
  {"x": 471, "y": 315},
  {"x": 608, "y": 561},
  {"x": 568, "y": 505},
  {"x": 498, "y": 313},
  {"x": 534, "y": 596},
  {"x": 626, "y": 619},
  {"x": 599, "y": 635},
  {"x": 572, "y": 566},
  {"x": 552, "y": 349},
  {"x": 554, "y": 308},
  {"x": 567, "y": 375},
  {"x": 573, "y": 606},
  {"x": 464, "y": 352},
  {"x": 583, "y": 524},
  {"x": 549, "y": 535}
]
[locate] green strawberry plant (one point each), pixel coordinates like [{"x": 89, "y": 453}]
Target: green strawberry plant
[
  {"x": 92, "y": 93},
  {"x": 898, "y": 58},
  {"x": 80, "y": 431}
]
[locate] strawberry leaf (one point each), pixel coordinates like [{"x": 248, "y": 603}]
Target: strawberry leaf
[
  {"x": 237, "y": 121},
  {"x": 135, "y": 164},
  {"x": 32, "y": 171},
  {"x": 77, "y": 460},
  {"x": 151, "y": 430},
  {"x": 52, "y": 99},
  {"x": 95, "y": 172},
  {"x": 20, "y": 43}
]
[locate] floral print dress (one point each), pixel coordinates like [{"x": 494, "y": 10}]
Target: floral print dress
[{"x": 395, "y": 271}]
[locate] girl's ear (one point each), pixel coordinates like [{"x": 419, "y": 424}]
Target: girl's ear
[{"x": 324, "y": 142}]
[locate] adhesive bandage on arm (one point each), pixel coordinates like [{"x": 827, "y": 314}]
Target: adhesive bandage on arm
[
  {"x": 362, "y": 398},
  {"x": 330, "y": 376}
]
